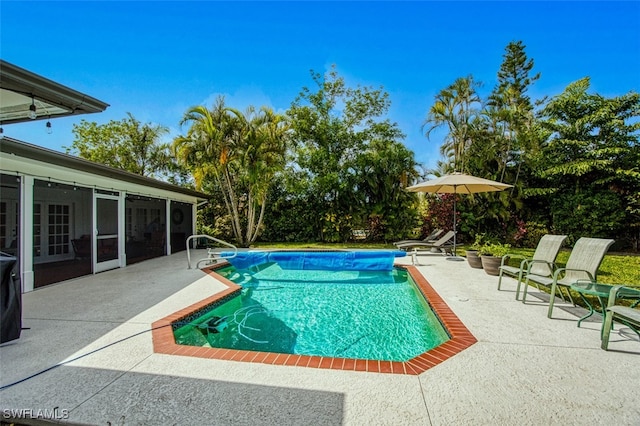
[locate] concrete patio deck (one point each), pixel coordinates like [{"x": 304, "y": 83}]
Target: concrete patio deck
[{"x": 524, "y": 369}]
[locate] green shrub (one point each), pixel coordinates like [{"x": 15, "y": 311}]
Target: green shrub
[
  {"x": 598, "y": 214},
  {"x": 479, "y": 241},
  {"x": 535, "y": 231},
  {"x": 494, "y": 249}
]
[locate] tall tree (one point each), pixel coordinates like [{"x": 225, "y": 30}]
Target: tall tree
[
  {"x": 592, "y": 161},
  {"x": 332, "y": 126},
  {"x": 126, "y": 144},
  {"x": 455, "y": 107},
  {"x": 511, "y": 109},
  {"x": 240, "y": 153},
  {"x": 384, "y": 170}
]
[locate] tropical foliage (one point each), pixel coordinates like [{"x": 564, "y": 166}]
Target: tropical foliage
[
  {"x": 592, "y": 161},
  {"x": 348, "y": 168},
  {"x": 238, "y": 153},
  {"x": 573, "y": 159},
  {"x": 126, "y": 144},
  {"x": 333, "y": 163},
  {"x": 456, "y": 107}
]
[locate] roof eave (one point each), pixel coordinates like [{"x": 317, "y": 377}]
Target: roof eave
[
  {"x": 25, "y": 82},
  {"x": 37, "y": 153}
]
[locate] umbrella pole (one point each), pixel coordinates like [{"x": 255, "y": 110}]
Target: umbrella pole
[{"x": 455, "y": 256}]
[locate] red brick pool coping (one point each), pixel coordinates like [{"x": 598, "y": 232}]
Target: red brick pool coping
[{"x": 460, "y": 338}]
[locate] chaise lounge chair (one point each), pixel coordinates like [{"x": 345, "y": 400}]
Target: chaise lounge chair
[
  {"x": 542, "y": 262},
  {"x": 583, "y": 264},
  {"x": 432, "y": 237},
  {"x": 444, "y": 244}
]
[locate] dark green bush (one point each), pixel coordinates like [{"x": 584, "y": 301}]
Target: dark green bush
[{"x": 598, "y": 214}]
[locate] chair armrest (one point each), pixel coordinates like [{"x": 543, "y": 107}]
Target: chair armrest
[
  {"x": 613, "y": 294},
  {"x": 616, "y": 289}
]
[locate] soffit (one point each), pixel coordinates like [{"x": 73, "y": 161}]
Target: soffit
[{"x": 19, "y": 89}]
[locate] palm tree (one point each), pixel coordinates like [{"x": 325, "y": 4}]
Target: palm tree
[
  {"x": 262, "y": 140},
  {"x": 455, "y": 107},
  {"x": 209, "y": 148},
  {"x": 242, "y": 152}
]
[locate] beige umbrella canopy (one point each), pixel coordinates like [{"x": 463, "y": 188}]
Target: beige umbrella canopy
[{"x": 458, "y": 183}]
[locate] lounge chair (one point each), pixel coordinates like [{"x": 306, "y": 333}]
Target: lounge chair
[
  {"x": 627, "y": 315},
  {"x": 583, "y": 264},
  {"x": 542, "y": 262},
  {"x": 444, "y": 244},
  {"x": 432, "y": 237}
]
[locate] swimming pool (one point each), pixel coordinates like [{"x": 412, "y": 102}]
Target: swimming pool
[
  {"x": 379, "y": 323},
  {"x": 353, "y": 314}
]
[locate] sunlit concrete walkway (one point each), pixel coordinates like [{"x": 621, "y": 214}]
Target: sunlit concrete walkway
[{"x": 525, "y": 368}]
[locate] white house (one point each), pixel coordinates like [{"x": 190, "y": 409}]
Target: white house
[{"x": 63, "y": 216}]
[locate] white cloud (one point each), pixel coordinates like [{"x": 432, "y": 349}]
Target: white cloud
[{"x": 242, "y": 98}]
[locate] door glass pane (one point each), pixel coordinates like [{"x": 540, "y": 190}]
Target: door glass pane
[
  {"x": 107, "y": 216},
  {"x": 58, "y": 235},
  {"x": 107, "y": 221}
]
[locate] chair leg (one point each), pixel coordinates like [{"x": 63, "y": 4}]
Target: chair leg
[
  {"x": 500, "y": 279},
  {"x": 606, "y": 330},
  {"x": 524, "y": 292},
  {"x": 570, "y": 298},
  {"x": 552, "y": 297},
  {"x": 518, "y": 287}
]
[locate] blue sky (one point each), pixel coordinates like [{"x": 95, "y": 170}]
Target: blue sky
[{"x": 156, "y": 59}]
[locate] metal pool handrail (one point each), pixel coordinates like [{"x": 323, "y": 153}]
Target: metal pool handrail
[{"x": 213, "y": 255}]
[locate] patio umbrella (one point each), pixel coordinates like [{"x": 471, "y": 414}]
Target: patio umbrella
[{"x": 458, "y": 183}]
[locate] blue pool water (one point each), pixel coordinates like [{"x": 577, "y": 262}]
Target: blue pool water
[{"x": 331, "y": 313}]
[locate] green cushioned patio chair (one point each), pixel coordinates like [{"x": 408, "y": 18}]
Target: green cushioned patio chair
[
  {"x": 542, "y": 262},
  {"x": 626, "y": 315},
  {"x": 583, "y": 264}
]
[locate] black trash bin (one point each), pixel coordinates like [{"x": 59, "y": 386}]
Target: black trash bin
[{"x": 10, "y": 300}]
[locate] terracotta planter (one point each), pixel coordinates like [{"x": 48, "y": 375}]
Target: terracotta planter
[
  {"x": 474, "y": 259},
  {"x": 491, "y": 264}
]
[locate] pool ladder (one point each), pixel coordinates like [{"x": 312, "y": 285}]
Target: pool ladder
[{"x": 213, "y": 253}]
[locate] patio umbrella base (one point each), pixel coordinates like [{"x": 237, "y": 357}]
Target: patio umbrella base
[{"x": 455, "y": 258}]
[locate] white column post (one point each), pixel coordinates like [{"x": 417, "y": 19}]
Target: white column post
[
  {"x": 122, "y": 230},
  {"x": 167, "y": 227},
  {"x": 26, "y": 233}
]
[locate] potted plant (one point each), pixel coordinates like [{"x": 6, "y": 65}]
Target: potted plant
[
  {"x": 491, "y": 256},
  {"x": 473, "y": 256}
]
